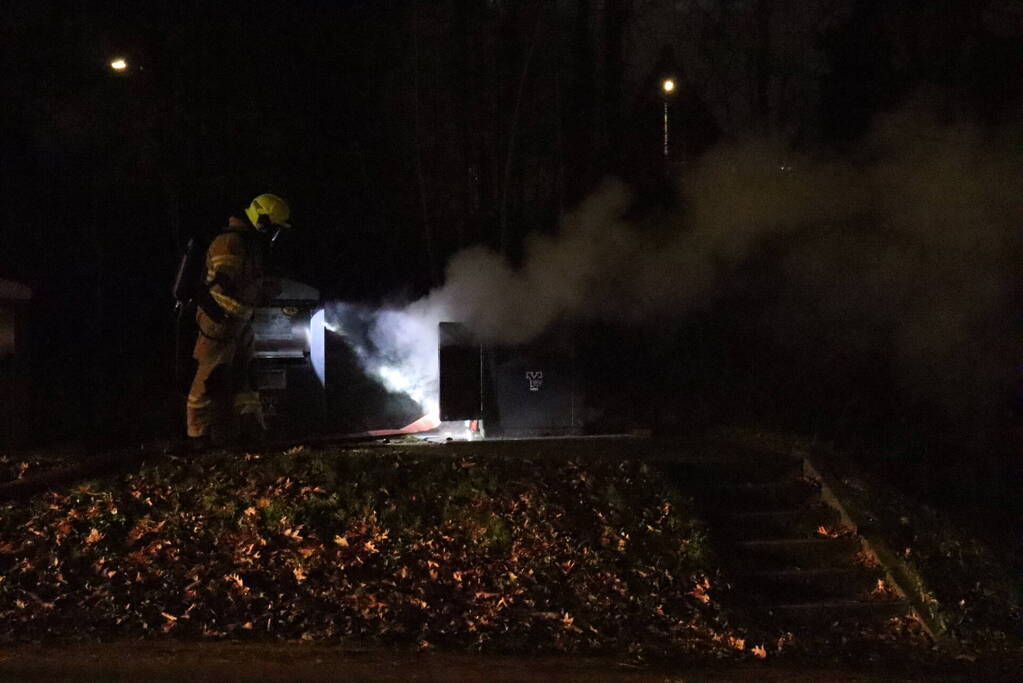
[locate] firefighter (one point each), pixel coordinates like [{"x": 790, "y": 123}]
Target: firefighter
[{"x": 223, "y": 405}]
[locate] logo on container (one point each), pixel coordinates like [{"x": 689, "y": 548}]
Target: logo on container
[{"x": 535, "y": 379}]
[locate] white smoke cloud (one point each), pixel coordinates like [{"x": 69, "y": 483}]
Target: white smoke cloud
[{"x": 912, "y": 246}]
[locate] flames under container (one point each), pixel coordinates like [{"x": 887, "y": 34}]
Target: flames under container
[
  {"x": 289, "y": 362},
  {"x": 518, "y": 391}
]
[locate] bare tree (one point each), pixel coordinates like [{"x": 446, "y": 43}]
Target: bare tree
[
  {"x": 616, "y": 18},
  {"x": 513, "y": 128}
]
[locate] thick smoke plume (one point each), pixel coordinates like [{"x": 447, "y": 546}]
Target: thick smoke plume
[{"x": 910, "y": 249}]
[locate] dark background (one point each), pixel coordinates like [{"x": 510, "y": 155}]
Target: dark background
[{"x": 402, "y": 132}]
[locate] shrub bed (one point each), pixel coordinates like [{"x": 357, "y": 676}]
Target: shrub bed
[{"x": 394, "y": 546}]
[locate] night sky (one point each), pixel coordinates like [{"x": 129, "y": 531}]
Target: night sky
[{"x": 836, "y": 223}]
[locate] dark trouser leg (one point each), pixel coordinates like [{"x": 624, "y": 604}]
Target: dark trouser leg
[
  {"x": 210, "y": 401},
  {"x": 204, "y": 405},
  {"x": 247, "y": 406}
]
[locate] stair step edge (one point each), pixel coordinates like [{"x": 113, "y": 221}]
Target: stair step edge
[
  {"x": 812, "y": 572},
  {"x": 779, "y": 542},
  {"x": 766, "y": 485},
  {"x": 767, "y": 514},
  {"x": 837, "y": 605}
]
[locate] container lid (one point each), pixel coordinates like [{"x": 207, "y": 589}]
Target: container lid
[{"x": 292, "y": 290}]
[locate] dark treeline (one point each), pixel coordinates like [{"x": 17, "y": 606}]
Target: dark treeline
[{"x": 402, "y": 132}]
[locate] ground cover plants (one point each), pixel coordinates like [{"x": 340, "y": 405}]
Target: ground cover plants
[{"x": 389, "y": 546}]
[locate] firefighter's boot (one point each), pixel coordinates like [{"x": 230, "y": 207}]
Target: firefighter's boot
[{"x": 252, "y": 433}]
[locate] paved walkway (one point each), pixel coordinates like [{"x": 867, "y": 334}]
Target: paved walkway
[{"x": 175, "y": 661}]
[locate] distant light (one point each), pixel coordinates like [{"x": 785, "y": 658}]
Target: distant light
[
  {"x": 118, "y": 65},
  {"x": 668, "y": 85}
]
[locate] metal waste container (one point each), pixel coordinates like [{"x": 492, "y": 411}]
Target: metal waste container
[
  {"x": 289, "y": 360},
  {"x": 518, "y": 391}
]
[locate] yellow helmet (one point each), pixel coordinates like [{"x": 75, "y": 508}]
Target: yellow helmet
[{"x": 268, "y": 210}]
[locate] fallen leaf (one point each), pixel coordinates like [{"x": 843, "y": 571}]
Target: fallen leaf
[
  {"x": 700, "y": 590},
  {"x": 171, "y": 622},
  {"x": 759, "y": 651},
  {"x": 94, "y": 537}
]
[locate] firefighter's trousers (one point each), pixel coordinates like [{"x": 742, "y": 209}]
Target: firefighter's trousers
[{"x": 222, "y": 394}]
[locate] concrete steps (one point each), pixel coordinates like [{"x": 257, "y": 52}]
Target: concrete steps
[
  {"x": 771, "y": 495},
  {"x": 794, "y": 553},
  {"x": 800, "y": 522},
  {"x": 788, "y": 586},
  {"x": 791, "y": 562},
  {"x": 835, "y": 612}
]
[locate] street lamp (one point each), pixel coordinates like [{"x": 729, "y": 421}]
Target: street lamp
[
  {"x": 668, "y": 87},
  {"x": 119, "y": 64}
]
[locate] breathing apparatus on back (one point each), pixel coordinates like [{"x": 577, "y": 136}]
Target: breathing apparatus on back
[{"x": 268, "y": 214}]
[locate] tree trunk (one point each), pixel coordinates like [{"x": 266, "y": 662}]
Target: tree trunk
[
  {"x": 579, "y": 105},
  {"x": 421, "y": 176},
  {"x": 464, "y": 76},
  {"x": 616, "y": 16},
  {"x": 763, "y": 70},
  {"x": 512, "y": 129}
]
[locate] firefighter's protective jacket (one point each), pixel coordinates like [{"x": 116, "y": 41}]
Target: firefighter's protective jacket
[
  {"x": 222, "y": 390},
  {"x": 236, "y": 278}
]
